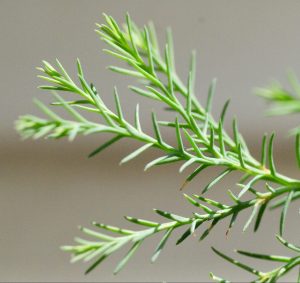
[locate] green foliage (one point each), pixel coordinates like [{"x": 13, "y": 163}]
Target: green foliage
[
  {"x": 283, "y": 102},
  {"x": 208, "y": 210},
  {"x": 200, "y": 141},
  {"x": 288, "y": 263}
]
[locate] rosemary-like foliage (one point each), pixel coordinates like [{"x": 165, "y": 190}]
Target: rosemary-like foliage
[
  {"x": 283, "y": 101},
  {"x": 200, "y": 141},
  {"x": 287, "y": 263}
]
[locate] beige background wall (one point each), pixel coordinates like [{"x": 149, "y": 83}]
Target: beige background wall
[{"x": 48, "y": 188}]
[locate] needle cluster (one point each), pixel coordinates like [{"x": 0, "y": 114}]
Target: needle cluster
[{"x": 201, "y": 142}]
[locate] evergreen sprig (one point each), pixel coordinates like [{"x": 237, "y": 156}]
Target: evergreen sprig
[
  {"x": 201, "y": 141},
  {"x": 283, "y": 101},
  {"x": 288, "y": 263},
  {"x": 208, "y": 210}
]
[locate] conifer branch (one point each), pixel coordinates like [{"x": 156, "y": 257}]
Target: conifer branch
[
  {"x": 201, "y": 142},
  {"x": 288, "y": 263}
]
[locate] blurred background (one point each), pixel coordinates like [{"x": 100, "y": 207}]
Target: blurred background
[{"x": 50, "y": 187}]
